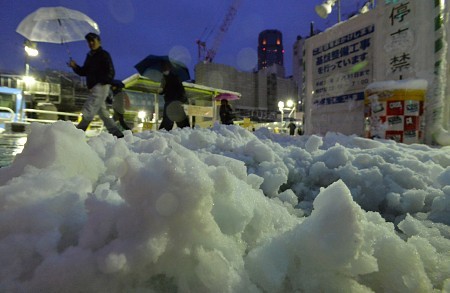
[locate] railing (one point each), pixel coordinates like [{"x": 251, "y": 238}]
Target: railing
[
  {"x": 11, "y": 117},
  {"x": 57, "y": 114},
  {"x": 97, "y": 124},
  {"x": 93, "y": 124},
  {"x": 40, "y": 87}
]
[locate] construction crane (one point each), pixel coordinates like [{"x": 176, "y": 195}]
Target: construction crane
[{"x": 207, "y": 55}]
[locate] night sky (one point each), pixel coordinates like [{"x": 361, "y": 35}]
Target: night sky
[{"x": 131, "y": 30}]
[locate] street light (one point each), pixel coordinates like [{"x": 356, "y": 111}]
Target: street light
[
  {"x": 31, "y": 51},
  {"x": 367, "y": 6},
  {"x": 281, "y": 108},
  {"x": 288, "y": 106},
  {"x": 289, "y": 103},
  {"x": 326, "y": 7}
]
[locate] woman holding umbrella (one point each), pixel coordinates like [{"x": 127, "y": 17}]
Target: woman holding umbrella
[{"x": 226, "y": 112}]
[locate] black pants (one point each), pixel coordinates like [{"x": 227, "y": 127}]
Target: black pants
[
  {"x": 167, "y": 124},
  {"x": 119, "y": 117}
]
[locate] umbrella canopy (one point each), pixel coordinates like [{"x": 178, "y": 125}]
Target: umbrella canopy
[
  {"x": 151, "y": 67},
  {"x": 226, "y": 96},
  {"x": 56, "y": 25}
]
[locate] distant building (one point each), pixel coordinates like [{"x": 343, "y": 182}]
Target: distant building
[
  {"x": 298, "y": 68},
  {"x": 261, "y": 91},
  {"x": 270, "y": 49}
]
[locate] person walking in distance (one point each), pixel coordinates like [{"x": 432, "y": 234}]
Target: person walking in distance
[
  {"x": 292, "y": 128},
  {"x": 120, "y": 101},
  {"x": 174, "y": 96},
  {"x": 226, "y": 112},
  {"x": 99, "y": 71}
]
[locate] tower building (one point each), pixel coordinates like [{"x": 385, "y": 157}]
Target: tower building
[{"x": 270, "y": 49}]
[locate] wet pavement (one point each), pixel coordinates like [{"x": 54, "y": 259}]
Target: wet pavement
[{"x": 10, "y": 146}]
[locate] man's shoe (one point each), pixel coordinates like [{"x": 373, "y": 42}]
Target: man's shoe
[{"x": 117, "y": 133}]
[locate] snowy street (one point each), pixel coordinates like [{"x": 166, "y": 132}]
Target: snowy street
[{"x": 223, "y": 210}]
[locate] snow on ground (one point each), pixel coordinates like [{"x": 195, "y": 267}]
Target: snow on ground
[{"x": 223, "y": 210}]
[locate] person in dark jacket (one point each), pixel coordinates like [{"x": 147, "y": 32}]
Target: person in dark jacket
[
  {"x": 99, "y": 72},
  {"x": 174, "y": 96},
  {"x": 292, "y": 128},
  {"x": 225, "y": 112}
]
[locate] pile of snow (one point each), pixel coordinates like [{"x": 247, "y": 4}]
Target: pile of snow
[{"x": 223, "y": 210}]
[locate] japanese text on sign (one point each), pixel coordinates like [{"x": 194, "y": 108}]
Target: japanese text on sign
[
  {"x": 346, "y": 51},
  {"x": 400, "y": 40},
  {"x": 399, "y": 13},
  {"x": 342, "y": 67}
]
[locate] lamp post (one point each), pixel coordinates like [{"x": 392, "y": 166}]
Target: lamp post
[
  {"x": 326, "y": 7},
  {"x": 281, "y": 108},
  {"x": 31, "y": 51},
  {"x": 288, "y": 106}
]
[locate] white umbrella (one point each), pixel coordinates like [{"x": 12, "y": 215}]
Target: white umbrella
[{"x": 56, "y": 25}]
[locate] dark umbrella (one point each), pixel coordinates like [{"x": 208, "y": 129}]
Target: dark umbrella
[
  {"x": 151, "y": 67},
  {"x": 117, "y": 86},
  {"x": 117, "y": 83}
]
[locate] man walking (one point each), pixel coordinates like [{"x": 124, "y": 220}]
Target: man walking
[
  {"x": 99, "y": 72},
  {"x": 174, "y": 95}
]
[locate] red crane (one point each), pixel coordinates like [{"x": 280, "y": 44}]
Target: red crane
[{"x": 207, "y": 55}]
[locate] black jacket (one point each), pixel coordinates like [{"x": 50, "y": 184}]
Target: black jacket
[
  {"x": 226, "y": 114},
  {"x": 98, "y": 68},
  {"x": 173, "y": 89}
]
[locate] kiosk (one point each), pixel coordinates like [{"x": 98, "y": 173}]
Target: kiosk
[{"x": 202, "y": 108}]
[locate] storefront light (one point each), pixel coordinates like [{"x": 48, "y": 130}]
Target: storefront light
[{"x": 142, "y": 115}]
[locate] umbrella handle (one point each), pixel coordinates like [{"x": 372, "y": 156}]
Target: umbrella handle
[{"x": 68, "y": 50}]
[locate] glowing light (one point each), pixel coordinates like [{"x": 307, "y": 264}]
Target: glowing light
[
  {"x": 30, "y": 48},
  {"x": 142, "y": 115},
  {"x": 29, "y": 80},
  {"x": 32, "y": 52},
  {"x": 324, "y": 9}
]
